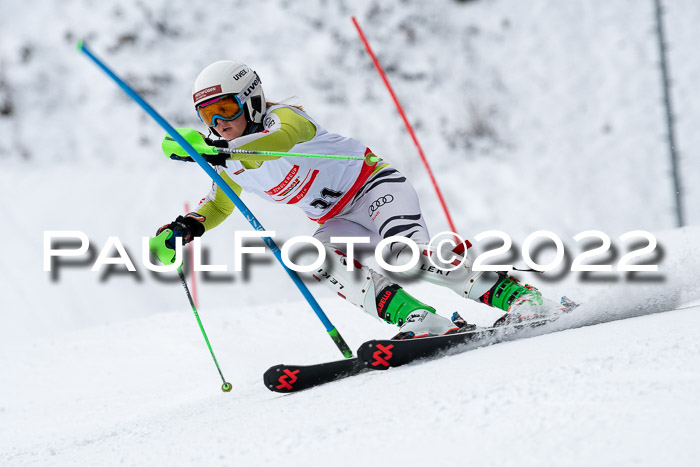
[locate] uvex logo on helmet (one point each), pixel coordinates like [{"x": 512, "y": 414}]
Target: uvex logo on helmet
[
  {"x": 206, "y": 92},
  {"x": 240, "y": 74},
  {"x": 252, "y": 86}
]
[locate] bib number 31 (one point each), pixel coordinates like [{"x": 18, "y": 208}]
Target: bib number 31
[{"x": 327, "y": 199}]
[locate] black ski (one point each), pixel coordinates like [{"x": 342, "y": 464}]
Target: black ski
[
  {"x": 381, "y": 354},
  {"x": 386, "y": 353},
  {"x": 377, "y": 355},
  {"x": 292, "y": 378}
]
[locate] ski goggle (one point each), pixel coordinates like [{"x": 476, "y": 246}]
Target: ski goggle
[{"x": 226, "y": 107}]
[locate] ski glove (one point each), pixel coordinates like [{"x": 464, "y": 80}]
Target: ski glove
[
  {"x": 163, "y": 244},
  {"x": 159, "y": 249},
  {"x": 187, "y": 227},
  {"x": 203, "y": 145}
]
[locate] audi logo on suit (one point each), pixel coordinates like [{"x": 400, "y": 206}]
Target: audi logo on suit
[{"x": 379, "y": 202}]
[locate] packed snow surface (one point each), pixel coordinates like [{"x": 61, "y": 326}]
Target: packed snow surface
[{"x": 145, "y": 392}]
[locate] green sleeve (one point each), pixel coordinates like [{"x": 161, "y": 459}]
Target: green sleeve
[
  {"x": 218, "y": 206},
  {"x": 293, "y": 129}
]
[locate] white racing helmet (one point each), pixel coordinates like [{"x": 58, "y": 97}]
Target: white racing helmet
[{"x": 235, "y": 79}]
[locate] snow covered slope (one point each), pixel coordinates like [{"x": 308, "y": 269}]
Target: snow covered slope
[{"x": 145, "y": 392}]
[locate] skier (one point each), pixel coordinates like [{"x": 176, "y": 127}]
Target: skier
[{"x": 347, "y": 197}]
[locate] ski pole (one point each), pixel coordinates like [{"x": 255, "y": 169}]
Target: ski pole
[
  {"x": 244, "y": 154},
  {"x": 195, "y": 138},
  {"x": 226, "y": 387},
  {"x": 332, "y": 331}
]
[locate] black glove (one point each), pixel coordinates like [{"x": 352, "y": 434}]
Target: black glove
[
  {"x": 187, "y": 227},
  {"x": 213, "y": 159},
  {"x": 219, "y": 143},
  {"x": 217, "y": 159}
]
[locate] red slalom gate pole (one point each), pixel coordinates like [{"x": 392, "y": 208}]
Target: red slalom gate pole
[
  {"x": 408, "y": 125},
  {"x": 192, "y": 271}
]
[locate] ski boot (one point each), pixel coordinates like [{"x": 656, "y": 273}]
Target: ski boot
[
  {"x": 521, "y": 302},
  {"x": 425, "y": 324},
  {"x": 414, "y": 318}
]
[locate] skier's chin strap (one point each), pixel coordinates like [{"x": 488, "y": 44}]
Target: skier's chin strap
[{"x": 251, "y": 128}]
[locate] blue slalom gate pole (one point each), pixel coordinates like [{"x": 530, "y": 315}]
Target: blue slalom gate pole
[{"x": 332, "y": 331}]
